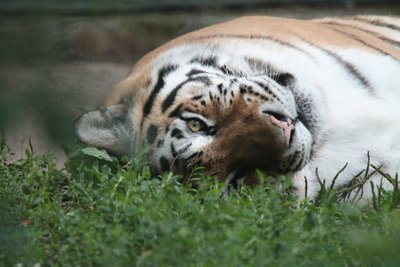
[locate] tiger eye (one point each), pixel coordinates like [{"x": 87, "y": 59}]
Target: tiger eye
[{"x": 194, "y": 125}]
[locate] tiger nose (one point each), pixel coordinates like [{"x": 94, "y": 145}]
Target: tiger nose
[{"x": 287, "y": 126}]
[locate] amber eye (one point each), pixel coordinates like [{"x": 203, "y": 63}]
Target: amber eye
[{"x": 195, "y": 125}]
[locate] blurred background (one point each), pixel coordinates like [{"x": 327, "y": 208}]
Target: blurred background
[{"x": 61, "y": 58}]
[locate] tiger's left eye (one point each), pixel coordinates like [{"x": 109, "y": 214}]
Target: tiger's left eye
[{"x": 195, "y": 125}]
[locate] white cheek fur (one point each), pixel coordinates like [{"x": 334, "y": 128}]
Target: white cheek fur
[{"x": 198, "y": 142}]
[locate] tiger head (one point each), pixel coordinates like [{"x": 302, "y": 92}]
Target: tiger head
[{"x": 231, "y": 115}]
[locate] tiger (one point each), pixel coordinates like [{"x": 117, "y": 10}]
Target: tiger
[{"x": 316, "y": 101}]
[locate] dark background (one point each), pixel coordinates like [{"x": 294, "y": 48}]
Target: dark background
[
  {"x": 60, "y": 58},
  {"x": 129, "y": 6}
]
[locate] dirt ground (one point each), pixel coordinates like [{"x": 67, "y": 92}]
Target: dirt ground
[
  {"x": 55, "y": 67},
  {"x": 78, "y": 86}
]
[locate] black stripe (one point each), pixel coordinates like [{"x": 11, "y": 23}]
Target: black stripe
[
  {"x": 197, "y": 97},
  {"x": 220, "y": 88},
  {"x": 170, "y": 99},
  {"x": 250, "y": 37},
  {"x": 176, "y": 133},
  {"x": 385, "y": 39},
  {"x": 375, "y": 34},
  {"x": 204, "y": 79},
  {"x": 195, "y": 72},
  {"x": 157, "y": 88},
  {"x": 164, "y": 164},
  {"x": 173, "y": 152},
  {"x": 298, "y": 164},
  {"x": 225, "y": 70},
  {"x": 346, "y": 65},
  {"x": 176, "y": 112},
  {"x": 160, "y": 143},
  {"x": 210, "y": 61},
  {"x": 352, "y": 69},
  {"x": 361, "y": 41},
  {"x": 377, "y": 22},
  {"x": 266, "y": 89},
  {"x": 152, "y": 133}
]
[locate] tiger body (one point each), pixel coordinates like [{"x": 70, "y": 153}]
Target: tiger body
[{"x": 307, "y": 99}]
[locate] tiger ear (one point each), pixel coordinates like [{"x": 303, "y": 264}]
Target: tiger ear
[
  {"x": 109, "y": 128},
  {"x": 284, "y": 79}
]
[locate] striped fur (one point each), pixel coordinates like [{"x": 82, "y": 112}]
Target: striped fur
[{"x": 281, "y": 95}]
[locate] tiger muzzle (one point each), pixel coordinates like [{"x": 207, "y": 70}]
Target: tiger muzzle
[
  {"x": 287, "y": 126},
  {"x": 257, "y": 142}
]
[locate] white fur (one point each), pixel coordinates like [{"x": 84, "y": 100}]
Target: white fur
[{"x": 354, "y": 121}]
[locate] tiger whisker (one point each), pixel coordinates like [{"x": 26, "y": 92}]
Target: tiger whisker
[{"x": 181, "y": 150}]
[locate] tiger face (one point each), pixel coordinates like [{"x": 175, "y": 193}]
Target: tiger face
[
  {"x": 204, "y": 113},
  {"x": 283, "y": 96}
]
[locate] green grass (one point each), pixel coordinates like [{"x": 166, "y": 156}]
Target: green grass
[{"x": 100, "y": 212}]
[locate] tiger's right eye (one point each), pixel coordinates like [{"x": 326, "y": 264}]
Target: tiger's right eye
[{"x": 195, "y": 125}]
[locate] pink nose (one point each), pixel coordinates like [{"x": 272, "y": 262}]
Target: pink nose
[{"x": 287, "y": 127}]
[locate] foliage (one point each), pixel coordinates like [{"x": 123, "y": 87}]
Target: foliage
[{"x": 102, "y": 212}]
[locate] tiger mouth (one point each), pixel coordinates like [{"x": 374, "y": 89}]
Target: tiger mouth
[
  {"x": 232, "y": 182},
  {"x": 236, "y": 179}
]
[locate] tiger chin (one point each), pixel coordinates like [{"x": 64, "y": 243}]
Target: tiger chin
[{"x": 309, "y": 99}]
